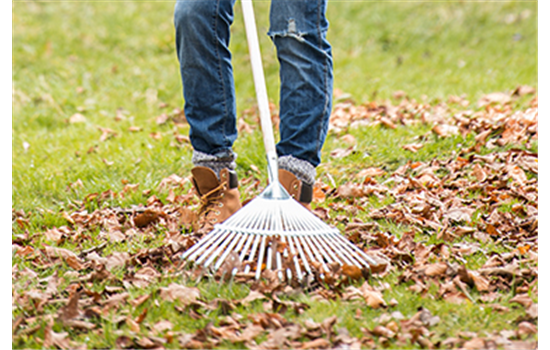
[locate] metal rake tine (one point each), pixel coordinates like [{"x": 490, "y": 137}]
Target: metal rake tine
[
  {"x": 230, "y": 238},
  {"x": 302, "y": 254},
  {"x": 252, "y": 253},
  {"x": 316, "y": 240},
  {"x": 353, "y": 249},
  {"x": 327, "y": 249},
  {"x": 307, "y": 238},
  {"x": 260, "y": 258},
  {"x": 236, "y": 239},
  {"x": 285, "y": 254},
  {"x": 249, "y": 241},
  {"x": 306, "y": 248},
  {"x": 203, "y": 244},
  {"x": 236, "y": 246},
  {"x": 295, "y": 258},
  {"x": 337, "y": 251},
  {"x": 212, "y": 247},
  {"x": 269, "y": 258},
  {"x": 341, "y": 249}
]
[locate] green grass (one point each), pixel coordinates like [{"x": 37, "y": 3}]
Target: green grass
[
  {"x": 96, "y": 57},
  {"x": 122, "y": 58}
]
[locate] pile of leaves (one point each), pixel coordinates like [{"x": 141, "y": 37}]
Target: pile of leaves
[{"x": 470, "y": 227}]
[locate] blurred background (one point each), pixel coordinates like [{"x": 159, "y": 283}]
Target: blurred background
[{"x": 86, "y": 72}]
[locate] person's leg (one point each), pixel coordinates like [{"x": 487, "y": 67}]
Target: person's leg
[
  {"x": 202, "y": 44},
  {"x": 298, "y": 28}
]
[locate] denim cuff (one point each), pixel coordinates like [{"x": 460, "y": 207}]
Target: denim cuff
[
  {"x": 216, "y": 162},
  {"x": 302, "y": 169}
]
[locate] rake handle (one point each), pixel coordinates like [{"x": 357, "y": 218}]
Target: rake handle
[{"x": 261, "y": 90}]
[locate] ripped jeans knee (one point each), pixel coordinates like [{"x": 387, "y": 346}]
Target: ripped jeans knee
[{"x": 291, "y": 32}]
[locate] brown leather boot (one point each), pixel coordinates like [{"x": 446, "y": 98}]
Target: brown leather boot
[
  {"x": 297, "y": 189},
  {"x": 219, "y": 198}
]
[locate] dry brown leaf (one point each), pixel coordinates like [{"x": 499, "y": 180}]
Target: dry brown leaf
[
  {"x": 77, "y": 118},
  {"x": 318, "y": 194},
  {"x": 479, "y": 173},
  {"x": 481, "y": 283},
  {"x": 146, "y": 218},
  {"x": 387, "y": 123},
  {"x": 185, "y": 295},
  {"x": 517, "y": 174},
  {"x": 370, "y": 172},
  {"x": 319, "y": 343},
  {"x": 70, "y": 310},
  {"x": 522, "y": 90},
  {"x": 52, "y": 338},
  {"x": 106, "y": 134},
  {"x": 133, "y": 325},
  {"x": 134, "y": 129},
  {"x": 162, "y": 326},
  {"x": 187, "y": 216},
  {"x": 494, "y": 97},
  {"x": 526, "y": 328},
  {"x": 117, "y": 259},
  {"x": 437, "y": 269},
  {"x": 53, "y": 234},
  {"x": 342, "y": 152},
  {"x": 349, "y": 139},
  {"x": 412, "y": 147},
  {"x": 461, "y": 214},
  {"x": 382, "y": 331},
  {"x": 474, "y": 344},
  {"x": 248, "y": 334},
  {"x": 352, "y": 272},
  {"x": 522, "y": 299},
  {"x": 350, "y": 190},
  {"x": 68, "y": 256},
  {"x": 372, "y": 297},
  {"x": 253, "y": 295},
  {"x": 445, "y": 130}
]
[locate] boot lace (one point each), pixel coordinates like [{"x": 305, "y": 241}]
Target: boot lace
[{"x": 209, "y": 201}]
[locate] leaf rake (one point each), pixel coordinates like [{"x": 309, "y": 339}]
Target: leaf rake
[{"x": 273, "y": 231}]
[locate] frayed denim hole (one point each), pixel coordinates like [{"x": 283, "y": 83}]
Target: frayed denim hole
[{"x": 290, "y": 32}]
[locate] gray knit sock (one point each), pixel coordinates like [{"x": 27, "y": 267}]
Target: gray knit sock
[
  {"x": 302, "y": 169},
  {"x": 216, "y": 162}
]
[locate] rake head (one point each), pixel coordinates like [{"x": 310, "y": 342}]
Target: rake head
[{"x": 275, "y": 232}]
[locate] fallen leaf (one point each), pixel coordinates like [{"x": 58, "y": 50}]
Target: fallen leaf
[
  {"x": 458, "y": 215},
  {"x": 319, "y": 343},
  {"x": 522, "y": 299},
  {"x": 352, "y": 272},
  {"x": 77, "y": 118},
  {"x": 134, "y": 129},
  {"x": 253, "y": 295},
  {"x": 522, "y": 90},
  {"x": 133, "y": 325},
  {"x": 474, "y": 344},
  {"x": 350, "y": 190},
  {"x": 342, "y": 152},
  {"x": 494, "y": 97},
  {"x": 162, "y": 326},
  {"x": 436, "y": 269},
  {"x": 413, "y": 147},
  {"x": 382, "y": 331},
  {"x": 185, "y": 295},
  {"x": 445, "y": 130},
  {"x": 146, "y": 218}
]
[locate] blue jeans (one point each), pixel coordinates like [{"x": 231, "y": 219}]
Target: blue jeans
[{"x": 298, "y": 29}]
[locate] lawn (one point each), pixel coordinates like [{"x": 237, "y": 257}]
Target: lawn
[{"x": 423, "y": 167}]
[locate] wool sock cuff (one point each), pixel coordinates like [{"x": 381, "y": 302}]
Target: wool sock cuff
[
  {"x": 216, "y": 162},
  {"x": 302, "y": 169}
]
